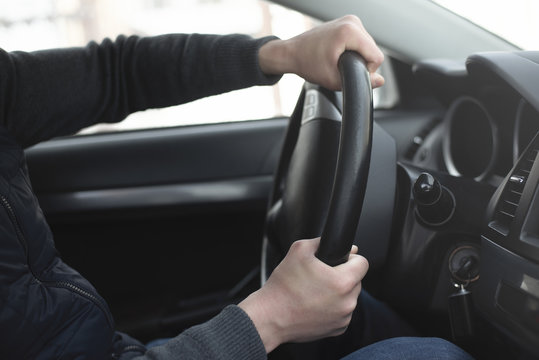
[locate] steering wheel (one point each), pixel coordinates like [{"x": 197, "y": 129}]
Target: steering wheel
[{"x": 320, "y": 182}]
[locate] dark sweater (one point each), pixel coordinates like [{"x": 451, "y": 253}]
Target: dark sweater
[
  {"x": 52, "y": 93},
  {"x": 229, "y": 335},
  {"x": 49, "y": 93}
]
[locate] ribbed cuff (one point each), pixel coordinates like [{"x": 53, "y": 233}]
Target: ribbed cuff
[
  {"x": 237, "y": 56},
  {"x": 231, "y": 334}
]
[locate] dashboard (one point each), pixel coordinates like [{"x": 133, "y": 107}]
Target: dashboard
[
  {"x": 487, "y": 125},
  {"x": 490, "y": 134}
]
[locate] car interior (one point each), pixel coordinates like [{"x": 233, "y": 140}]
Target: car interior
[{"x": 170, "y": 225}]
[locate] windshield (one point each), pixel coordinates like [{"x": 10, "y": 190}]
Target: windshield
[{"x": 515, "y": 20}]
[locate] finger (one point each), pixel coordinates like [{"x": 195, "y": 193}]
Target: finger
[
  {"x": 372, "y": 53},
  {"x": 356, "y": 264},
  {"x": 353, "y": 251},
  {"x": 368, "y": 50},
  {"x": 366, "y": 46},
  {"x": 377, "y": 80},
  {"x": 355, "y": 37}
]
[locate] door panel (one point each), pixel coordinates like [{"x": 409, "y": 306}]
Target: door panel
[{"x": 167, "y": 224}]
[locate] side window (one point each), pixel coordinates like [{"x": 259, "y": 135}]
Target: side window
[{"x": 36, "y": 24}]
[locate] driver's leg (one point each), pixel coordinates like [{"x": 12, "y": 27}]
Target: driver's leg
[
  {"x": 410, "y": 348},
  {"x": 373, "y": 321}
]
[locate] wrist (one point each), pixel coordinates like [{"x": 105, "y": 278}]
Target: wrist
[
  {"x": 265, "y": 319},
  {"x": 276, "y": 57}
]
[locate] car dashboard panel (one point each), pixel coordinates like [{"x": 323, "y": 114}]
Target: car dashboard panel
[
  {"x": 509, "y": 288},
  {"x": 490, "y": 133}
]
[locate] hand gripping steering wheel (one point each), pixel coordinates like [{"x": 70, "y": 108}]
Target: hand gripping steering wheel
[{"x": 322, "y": 174}]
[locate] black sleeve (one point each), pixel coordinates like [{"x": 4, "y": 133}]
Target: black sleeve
[{"x": 50, "y": 93}]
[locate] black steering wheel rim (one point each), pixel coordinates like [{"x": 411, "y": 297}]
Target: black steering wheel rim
[{"x": 347, "y": 158}]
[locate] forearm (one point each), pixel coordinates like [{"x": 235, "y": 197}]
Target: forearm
[{"x": 57, "y": 92}]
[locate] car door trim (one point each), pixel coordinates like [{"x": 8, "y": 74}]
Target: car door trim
[{"x": 251, "y": 189}]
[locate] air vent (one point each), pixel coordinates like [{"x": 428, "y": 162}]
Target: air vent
[{"x": 507, "y": 206}]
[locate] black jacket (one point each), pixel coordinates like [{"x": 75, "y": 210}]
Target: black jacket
[{"x": 47, "y": 309}]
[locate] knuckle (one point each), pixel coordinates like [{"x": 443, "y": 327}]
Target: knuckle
[
  {"x": 362, "y": 264},
  {"x": 340, "y": 331},
  {"x": 350, "y": 306},
  {"x": 346, "y": 29},
  {"x": 349, "y": 282},
  {"x": 379, "y": 58},
  {"x": 298, "y": 245},
  {"x": 342, "y": 325},
  {"x": 295, "y": 248},
  {"x": 339, "y": 285},
  {"x": 365, "y": 263},
  {"x": 345, "y": 284},
  {"x": 302, "y": 249},
  {"x": 352, "y": 18}
]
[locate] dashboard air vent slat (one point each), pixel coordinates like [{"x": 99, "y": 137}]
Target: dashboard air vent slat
[{"x": 512, "y": 193}]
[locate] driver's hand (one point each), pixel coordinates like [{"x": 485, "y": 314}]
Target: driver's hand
[
  {"x": 305, "y": 299},
  {"x": 314, "y": 54}
]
